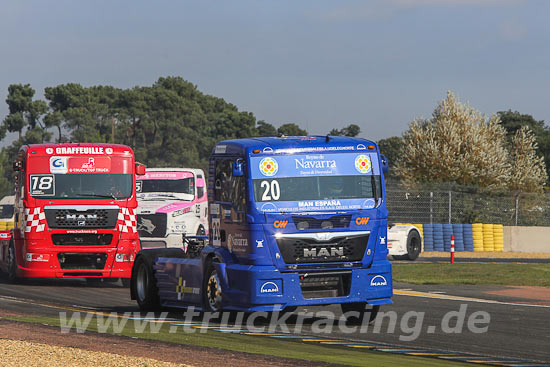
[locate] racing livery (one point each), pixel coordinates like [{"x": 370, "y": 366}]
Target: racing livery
[
  {"x": 171, "y": 202},
  {"x": 74, "y": 212},
  {"x": 294, "y": 221}
]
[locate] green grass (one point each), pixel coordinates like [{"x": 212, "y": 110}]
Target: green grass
[
  {"x": 268, "y": 346},
  {"x": 477, "y": 274}
]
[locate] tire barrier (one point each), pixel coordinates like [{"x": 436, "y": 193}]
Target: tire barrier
[
  {"x": 488, "y": 238},
  {"x": 428, "y": 238},
  {"x": 477, "y": 235},
  {"x": 447, "y": 233},
  {"x": 438, "y": 237},
  {"x": 458, "y": 232},
  {"x": 498, "y": 237},
  {"x": 468, "y": 235}
]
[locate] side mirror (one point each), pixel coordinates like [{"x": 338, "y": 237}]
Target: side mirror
[
  {"x": 140, "y": 169},
  {"x": 385, "y": 166},
  {"x": 238, "y": 168}
]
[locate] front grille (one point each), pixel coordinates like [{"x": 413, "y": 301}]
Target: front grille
[
  {"x": 337, "y": 221},
  {"x": 91, "y": 218},
  {"x": 82, "y": 260},
  {"x": 309, "y": 250},
  {"x": 151, "y": 225},
  {"x": 325, "y": 285},
  {"x": 82, "y": 239}
]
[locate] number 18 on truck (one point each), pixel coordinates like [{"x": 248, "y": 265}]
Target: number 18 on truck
[
  {"x": 294, "y": 221},
  {"x": 74, "y": 212}
]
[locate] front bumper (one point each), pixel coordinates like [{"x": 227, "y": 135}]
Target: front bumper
[
  {"x": 264, "y": 288},
  {"x": 69, "y": 261}
]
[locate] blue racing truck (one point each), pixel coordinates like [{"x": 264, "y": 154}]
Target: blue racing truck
[{"x": 294, "y": 221}]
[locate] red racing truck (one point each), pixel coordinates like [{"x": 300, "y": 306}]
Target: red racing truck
[{"x": 74, "y": 212}]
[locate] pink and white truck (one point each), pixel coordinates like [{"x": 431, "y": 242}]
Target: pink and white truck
[{"x": 171, "y": 202}]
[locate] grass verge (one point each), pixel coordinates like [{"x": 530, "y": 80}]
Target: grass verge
[
  {"x": 296, "y": 348},
  {"x": 476, "y": 274}
]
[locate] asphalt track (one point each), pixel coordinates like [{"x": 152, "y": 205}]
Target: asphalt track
[{"x": 518, "y": 328}]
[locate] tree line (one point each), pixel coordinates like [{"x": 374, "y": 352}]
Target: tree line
[{"x": 170, "y": 123}]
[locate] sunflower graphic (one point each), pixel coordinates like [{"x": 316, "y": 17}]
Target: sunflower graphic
[
  {"x": 269, "y": 166},
  {"x": 362, "y": 163}
]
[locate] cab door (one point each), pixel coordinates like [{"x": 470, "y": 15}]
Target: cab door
[{"x": 228, "y": 211}]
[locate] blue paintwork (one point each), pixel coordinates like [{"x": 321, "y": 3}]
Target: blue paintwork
[{"x": 253, "y": 274}]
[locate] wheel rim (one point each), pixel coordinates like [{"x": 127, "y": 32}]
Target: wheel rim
[
  {"x": 142, "y": 282},
  {"x": 414, "y": 245},
  {"x": 214, "y": 292}
]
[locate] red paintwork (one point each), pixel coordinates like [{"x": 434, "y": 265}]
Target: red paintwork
[{"x": 36, "y": 160}]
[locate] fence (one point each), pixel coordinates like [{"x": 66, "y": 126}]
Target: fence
[{"x": 459, "y": 204}]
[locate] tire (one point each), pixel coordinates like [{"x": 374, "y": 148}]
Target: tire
[
  {"x": 360, "y": 307},
  {"x": 212, "y": 290},
  {"x": 12, "y": 264},
  {"x": 144, "y": 284},
  {"x": 414, "y": 245}
]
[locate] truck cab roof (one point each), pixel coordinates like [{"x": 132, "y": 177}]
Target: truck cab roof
[{"x": 287, "y": 144}]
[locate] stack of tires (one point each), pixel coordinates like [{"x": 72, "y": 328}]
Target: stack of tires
[
  {"x": 468, "y": 236},
  {"x": 498, "y": 237},
  {"x": 428, "y": 237},
  {"x": 488, "y": 238},
  {"x": 459, "y": 237},
  {"x": 438, "y": 237},
  {"x": 477, "y": 236},
  {"x": 447, "y": 233}
]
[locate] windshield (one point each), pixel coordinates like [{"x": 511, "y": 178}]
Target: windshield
[
  {"x": 183, "y": 186},
  {"x": 317, "y": 188},
  {"x": 312, "y": 182},
  {"x": 81, "y": 186},
  {"x": 6, "y": 211}
]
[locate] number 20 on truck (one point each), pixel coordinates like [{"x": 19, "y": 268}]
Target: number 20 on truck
[{"x": 294, "y": 221}]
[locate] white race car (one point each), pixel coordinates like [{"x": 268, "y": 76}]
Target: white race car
[{"x": 404, "y": 242}]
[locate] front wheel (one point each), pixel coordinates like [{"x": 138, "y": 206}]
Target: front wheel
[
  {"x": 212, "y": 290},
  {"x": 144, "y": 285},
  {"x": 361, "y": 309}
]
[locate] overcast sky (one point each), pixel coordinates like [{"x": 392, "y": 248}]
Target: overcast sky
[{"x": 321, "y": 64}]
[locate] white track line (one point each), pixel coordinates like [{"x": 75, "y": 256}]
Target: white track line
[{"x": 402, "y": 292}]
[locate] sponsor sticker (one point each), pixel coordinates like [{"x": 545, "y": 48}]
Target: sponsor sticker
[
  {"x": 58, "y": 165},
  {"x": 269, "y": 166},
  {"x": 378, "y": 281},
  {"x": 363, "y": 163},
  {"x": 270, "y": 287}
]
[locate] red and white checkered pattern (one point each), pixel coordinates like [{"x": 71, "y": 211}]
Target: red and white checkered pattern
[
  {"x": 35, "y": 219},
  {"x": 127, "y": 220}
]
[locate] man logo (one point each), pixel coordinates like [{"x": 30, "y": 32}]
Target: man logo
[
  {"x": 378, "y": 281},
  {"x": 361, "y": 221},
  {"x": 269, "y": 287},
  {"x": 280, "y": 223}
]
